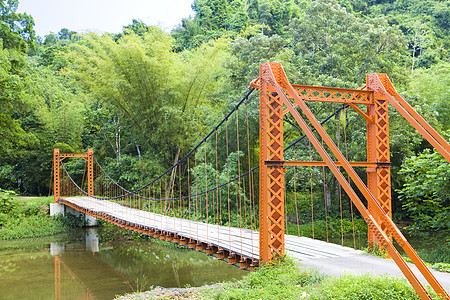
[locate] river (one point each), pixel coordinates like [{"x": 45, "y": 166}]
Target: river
[{"x": 89, "y": 264}]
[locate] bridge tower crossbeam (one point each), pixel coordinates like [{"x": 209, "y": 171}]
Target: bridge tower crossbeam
[{"x": 58, "y": 157}]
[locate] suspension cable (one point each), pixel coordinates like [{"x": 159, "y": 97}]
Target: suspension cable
[{"x": 187, "y": 155}]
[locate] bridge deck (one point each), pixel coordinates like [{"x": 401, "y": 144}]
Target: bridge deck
[{"x": 243, "y": 242}]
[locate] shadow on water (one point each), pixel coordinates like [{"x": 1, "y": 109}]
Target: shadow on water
[{"x": 82, "y": 265}]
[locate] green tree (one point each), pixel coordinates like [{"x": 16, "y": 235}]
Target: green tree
[
  {"x": 425, "y": 23},
  {"x": 16, "y": 34},
  {"x": 331, "y": 42},
  {"x": 426, "y": 192},
  {"x": 16, "y": 29},
  {"x": 51, "y": 114},
  {"x": 429, "y": 90},
  {"x": 66, "y": 34},
  {"x": 212, "y": 14},
  {"x": 249, "y": 53},
  {"x": 163, "y": 94}
]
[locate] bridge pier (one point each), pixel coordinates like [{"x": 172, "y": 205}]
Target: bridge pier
[{"x": 58, "y": 208}]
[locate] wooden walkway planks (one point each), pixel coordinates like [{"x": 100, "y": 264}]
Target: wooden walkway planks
[{"x": 243, "y": 242}]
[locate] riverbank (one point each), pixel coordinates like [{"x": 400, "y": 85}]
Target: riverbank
[
  {"x": 29, "y": 217},
  {"x": 174, "y": 293},
  {"x": 287, "y": 280}
]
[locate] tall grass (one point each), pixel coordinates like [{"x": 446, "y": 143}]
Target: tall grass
[{"x": 29, "y": 217}]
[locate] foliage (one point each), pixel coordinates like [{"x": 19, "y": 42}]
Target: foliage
[
  {"x": 441, "y": 267},
  {"x": 425, "y": 194},
  {"x": 364, "y": 287},
  {"x": 35, "y": 226},
  {"x": 284, "y": 280},
  {"x": 215, "y": 18},
  {"x": 429, "y": 90},
  {"x": 425, "y": 23},
  {"x": 7, "y": 203},
  {"x": 287, "y": 280},
  {"x": 141, "y": 76},
  {"x": 376, "y": 250},
  {"x": 16, "y": 29},
  {"x": 336, "y": 44},
  {"x": 29, "y": 218},
  {"x": 437, "y": 255},
  {"x": 248, "y": 53},
  {"x": 11, "y": 85},
  {"x": 16, "y": 33}
]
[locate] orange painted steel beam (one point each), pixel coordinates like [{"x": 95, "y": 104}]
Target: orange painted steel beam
[
  {"x": 331, "y": 94},
  {"x": 90, "y": 169},
  {"x": 64, "y": 155},
  {"x": 271, "y": 202},
  {"x": 323, "y": 164},
  {"x": 390, "y": 88},
  {"x": 369, "y": 119},
  {"x": 369, "y": 218},
  {"x": 58, "y": 157},
  {"x": 378, "y": 179},
  {"x": 380, "y": 83},
  {"x": 344, "y": 183},
  {"x": 56, "y": 173}
]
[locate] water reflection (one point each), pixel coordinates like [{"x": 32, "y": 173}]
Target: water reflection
[
  {"x": 89, "y": 265},
  {"x": 83, "y": 275}
]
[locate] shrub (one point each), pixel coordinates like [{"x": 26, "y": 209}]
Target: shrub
[
  {"x": 426, "y": 192},
  {"x": 365, "y": 287},
  {"x": 37, "y": 225},
  {"x": 7, "y": 203},
  {"x": 280, "y": 281},
  {"x": 287, "y": 281}
]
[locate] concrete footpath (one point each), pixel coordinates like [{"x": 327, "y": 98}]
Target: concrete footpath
[{"x": 365, "y": 263}]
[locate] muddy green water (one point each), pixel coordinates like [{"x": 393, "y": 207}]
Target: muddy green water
[{"x": 88, "y": 265}]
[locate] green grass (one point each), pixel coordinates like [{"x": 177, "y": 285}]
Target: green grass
[
  {"x": 46, "y": 200},
  {"x": 33, "y": 226},
  {"x": 27, "y": 217},
  {"x": 334, "y": 228},
  {"x": 287, "y": 281}
]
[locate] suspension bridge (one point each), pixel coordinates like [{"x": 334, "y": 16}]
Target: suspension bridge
[{"x": 215, "y": 200}]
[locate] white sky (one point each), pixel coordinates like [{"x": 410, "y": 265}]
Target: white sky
[{"x": 103, "y": 15}]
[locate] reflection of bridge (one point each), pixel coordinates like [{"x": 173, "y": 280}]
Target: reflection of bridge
[
  {"x": 87, "y": 277},
  {"x": 207, "y": 199}
]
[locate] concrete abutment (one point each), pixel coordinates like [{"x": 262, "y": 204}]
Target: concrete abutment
[{"x": 58, "y": 208}]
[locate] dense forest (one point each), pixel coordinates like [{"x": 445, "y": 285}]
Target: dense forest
[{"x": 143, "y": 97}]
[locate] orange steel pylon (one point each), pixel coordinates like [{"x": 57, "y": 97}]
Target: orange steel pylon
[
  {"x": 58, "y": 157},
  {"x": 379, "y": 177},
  {"x": 275, "y": 93},
  {"x": 271, "y": 208}
]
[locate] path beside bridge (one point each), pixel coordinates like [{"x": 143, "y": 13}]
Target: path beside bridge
[{"x": 364, "y": 263}]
